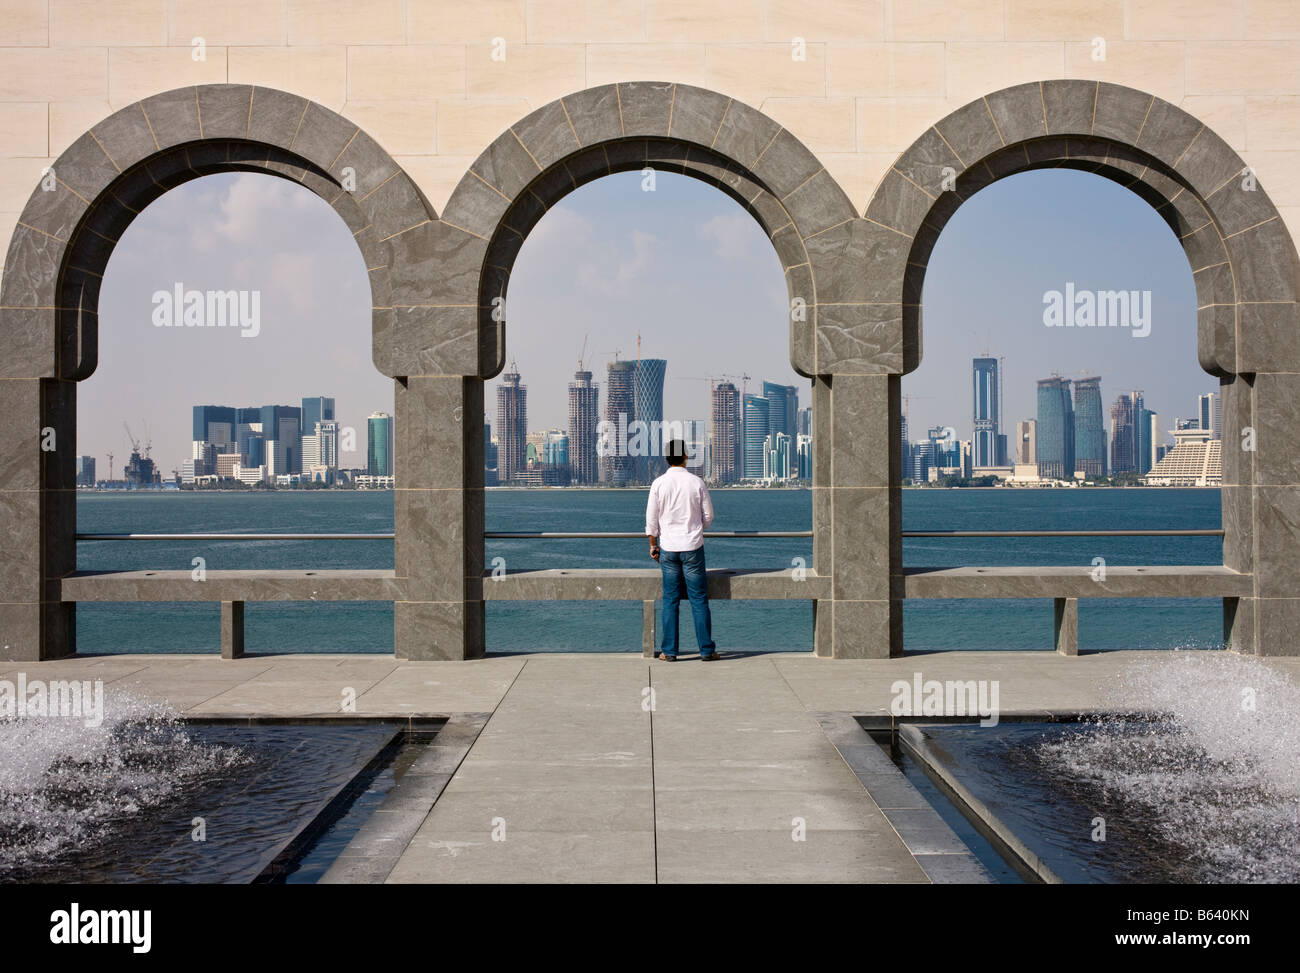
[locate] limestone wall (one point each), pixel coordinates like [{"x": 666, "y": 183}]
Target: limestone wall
[{"x": 434, "y": 81}]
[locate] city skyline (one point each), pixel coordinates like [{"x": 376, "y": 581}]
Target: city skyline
[{"x": 592, "y": 273}]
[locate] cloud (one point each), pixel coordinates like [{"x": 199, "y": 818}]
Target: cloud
[
  {"x": 292, "y": 276},
  {"x": 732, "y": 234},
  {"x": 560, "y": 231},
  {"x": 249, "y": 201},
  {"x": 617, "y": 274}
]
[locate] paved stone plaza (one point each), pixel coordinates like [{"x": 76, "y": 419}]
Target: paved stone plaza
[{"x": 591, "y": 786}]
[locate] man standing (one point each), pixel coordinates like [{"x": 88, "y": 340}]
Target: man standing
[{"x": 678, "y": 511}]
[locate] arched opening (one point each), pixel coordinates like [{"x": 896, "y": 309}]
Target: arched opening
[
  {"x": 637, "y": 299},
  {"x": 641, "y": 127},
  {"x": 49, "y": 306},
  {"x": 1035, "y": 422},
  {"x": 232, "y": 390},
  {"x": 1245, "y": 271}
]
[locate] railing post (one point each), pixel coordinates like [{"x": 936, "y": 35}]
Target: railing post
[
  {"x": 648, "y": 629},
  {"x": 1067, "y": 626},
  {"x": 438, "y": 517},
  {"x": 865, "y": 518},
  {"x": 232, "y": 629}
]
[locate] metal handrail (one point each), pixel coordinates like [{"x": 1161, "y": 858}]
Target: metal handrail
[
  {"x": 581, "y": 535},
  {"x": 608, "y": 535},
  {"x": 234, "y": 537},
  {"x": 1063, "y": 533}
]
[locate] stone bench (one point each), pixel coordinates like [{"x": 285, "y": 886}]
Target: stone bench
[{"x": 1066, "y": 585}]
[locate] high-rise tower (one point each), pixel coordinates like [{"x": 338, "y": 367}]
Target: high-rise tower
[
  {"x": 648, "y": 405},
  {"x": 1054, "y": 429},
  {"x": 988, "y": 446},
  {"x": 1089, "y": 429},
  {"x": 512, "y": 426},
  {"x": 584, "y": 413},
  {"x": 725, "y": 449},
  {"x": 616, "y": 466}
]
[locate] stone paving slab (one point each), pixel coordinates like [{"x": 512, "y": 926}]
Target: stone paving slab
[{"x": 614, "y": 768}]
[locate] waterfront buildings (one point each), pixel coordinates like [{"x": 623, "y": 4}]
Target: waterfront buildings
[
  {"x": 584, "y": 413},
  {"x": 617, "y": 468},
  {"x": 1196, "y": 460},
  {"x": 783, "y": 408},
  {"x": 648, "y": 409},
  {"x": 512, "y": 426},
  {"x": 1026, "y": 443},
  {"x": 756, "y": 417},
  {"x": 1209, "y": 410},
  {"x": 1089, "y": 429},
  {"x": 379, "y": 445},
  {"x": 1054, "y": 429},
  {"x": 85, "y": 471},
  {"x": 725, "y": 448},
  {"x": 1129, "y": 439},
  {"x": 989, "y": 443}
]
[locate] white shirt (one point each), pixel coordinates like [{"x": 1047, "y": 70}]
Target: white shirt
[{"x": 678, "y": 510}]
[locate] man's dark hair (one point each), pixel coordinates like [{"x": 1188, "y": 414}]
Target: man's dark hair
[{"x": 675, "y": 452}]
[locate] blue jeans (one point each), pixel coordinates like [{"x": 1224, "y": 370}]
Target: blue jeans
[{"x": 684, "y": 574}]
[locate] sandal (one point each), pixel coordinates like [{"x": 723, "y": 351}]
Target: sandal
[{"x": 666, "y": 658}]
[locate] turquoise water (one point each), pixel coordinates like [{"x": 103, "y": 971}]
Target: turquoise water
[{"x": 616, "y": 626}]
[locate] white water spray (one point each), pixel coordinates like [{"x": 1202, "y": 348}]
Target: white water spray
[
  {"x": 63, "y": 784},
  {"x": 1217, "y": 773}
]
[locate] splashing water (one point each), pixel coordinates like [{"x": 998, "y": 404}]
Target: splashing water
[
  {"x": 1216, "y": 773},
  {"x": 65, "y": 785}
]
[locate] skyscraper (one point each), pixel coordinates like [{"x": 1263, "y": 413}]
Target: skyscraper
[
  {"x": 757, "y": 416},
  {"x": 783, "y": 408},
  {"x": 1089, "y": 430},
  {"x": 724, "y": 452},
  {"x": 1208, "y": 409},
  {"x": 1054, "y": 429},
  {"x": 584, "y": 413},
  {"x": 282, "y": 434},
  {"x": 905, "y": 448},
  {"x": 512, "y": 426},
  {"x": 319, "y": 408},
  {"x": 1149, "y": 435},
  {"x": 379, "y": 444},
  {"x": 803, "y": 456},
  {"x": 616, "y": 466},
  {"x": 85, "y": 471},
  {"x": 986, "y": 412},
  {"x": 648, "y": 404},
  {"x": 327, "y": 443},
  {"x": 1126, "y": 435},
  {"x": 213, "y": 424},
  {"x": 1026, "y": 442}
]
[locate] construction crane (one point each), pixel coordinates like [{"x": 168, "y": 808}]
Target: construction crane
[
  {"x": 148, "y": 441},
  {"x": 909, "y": 398},
  {"x": 135, "y": 443},
  {"x": 582, "y": 355}
]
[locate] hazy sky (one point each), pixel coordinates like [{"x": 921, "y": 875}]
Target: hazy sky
[{"x": 684, "y": 266}]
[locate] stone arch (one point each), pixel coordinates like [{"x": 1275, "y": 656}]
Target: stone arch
[
  {"x": 619, "y": 127},
  {"x": 455, "y": 344},
  {"x": 55, "y": 263},
  {"x": 1244, "y": 264}
]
